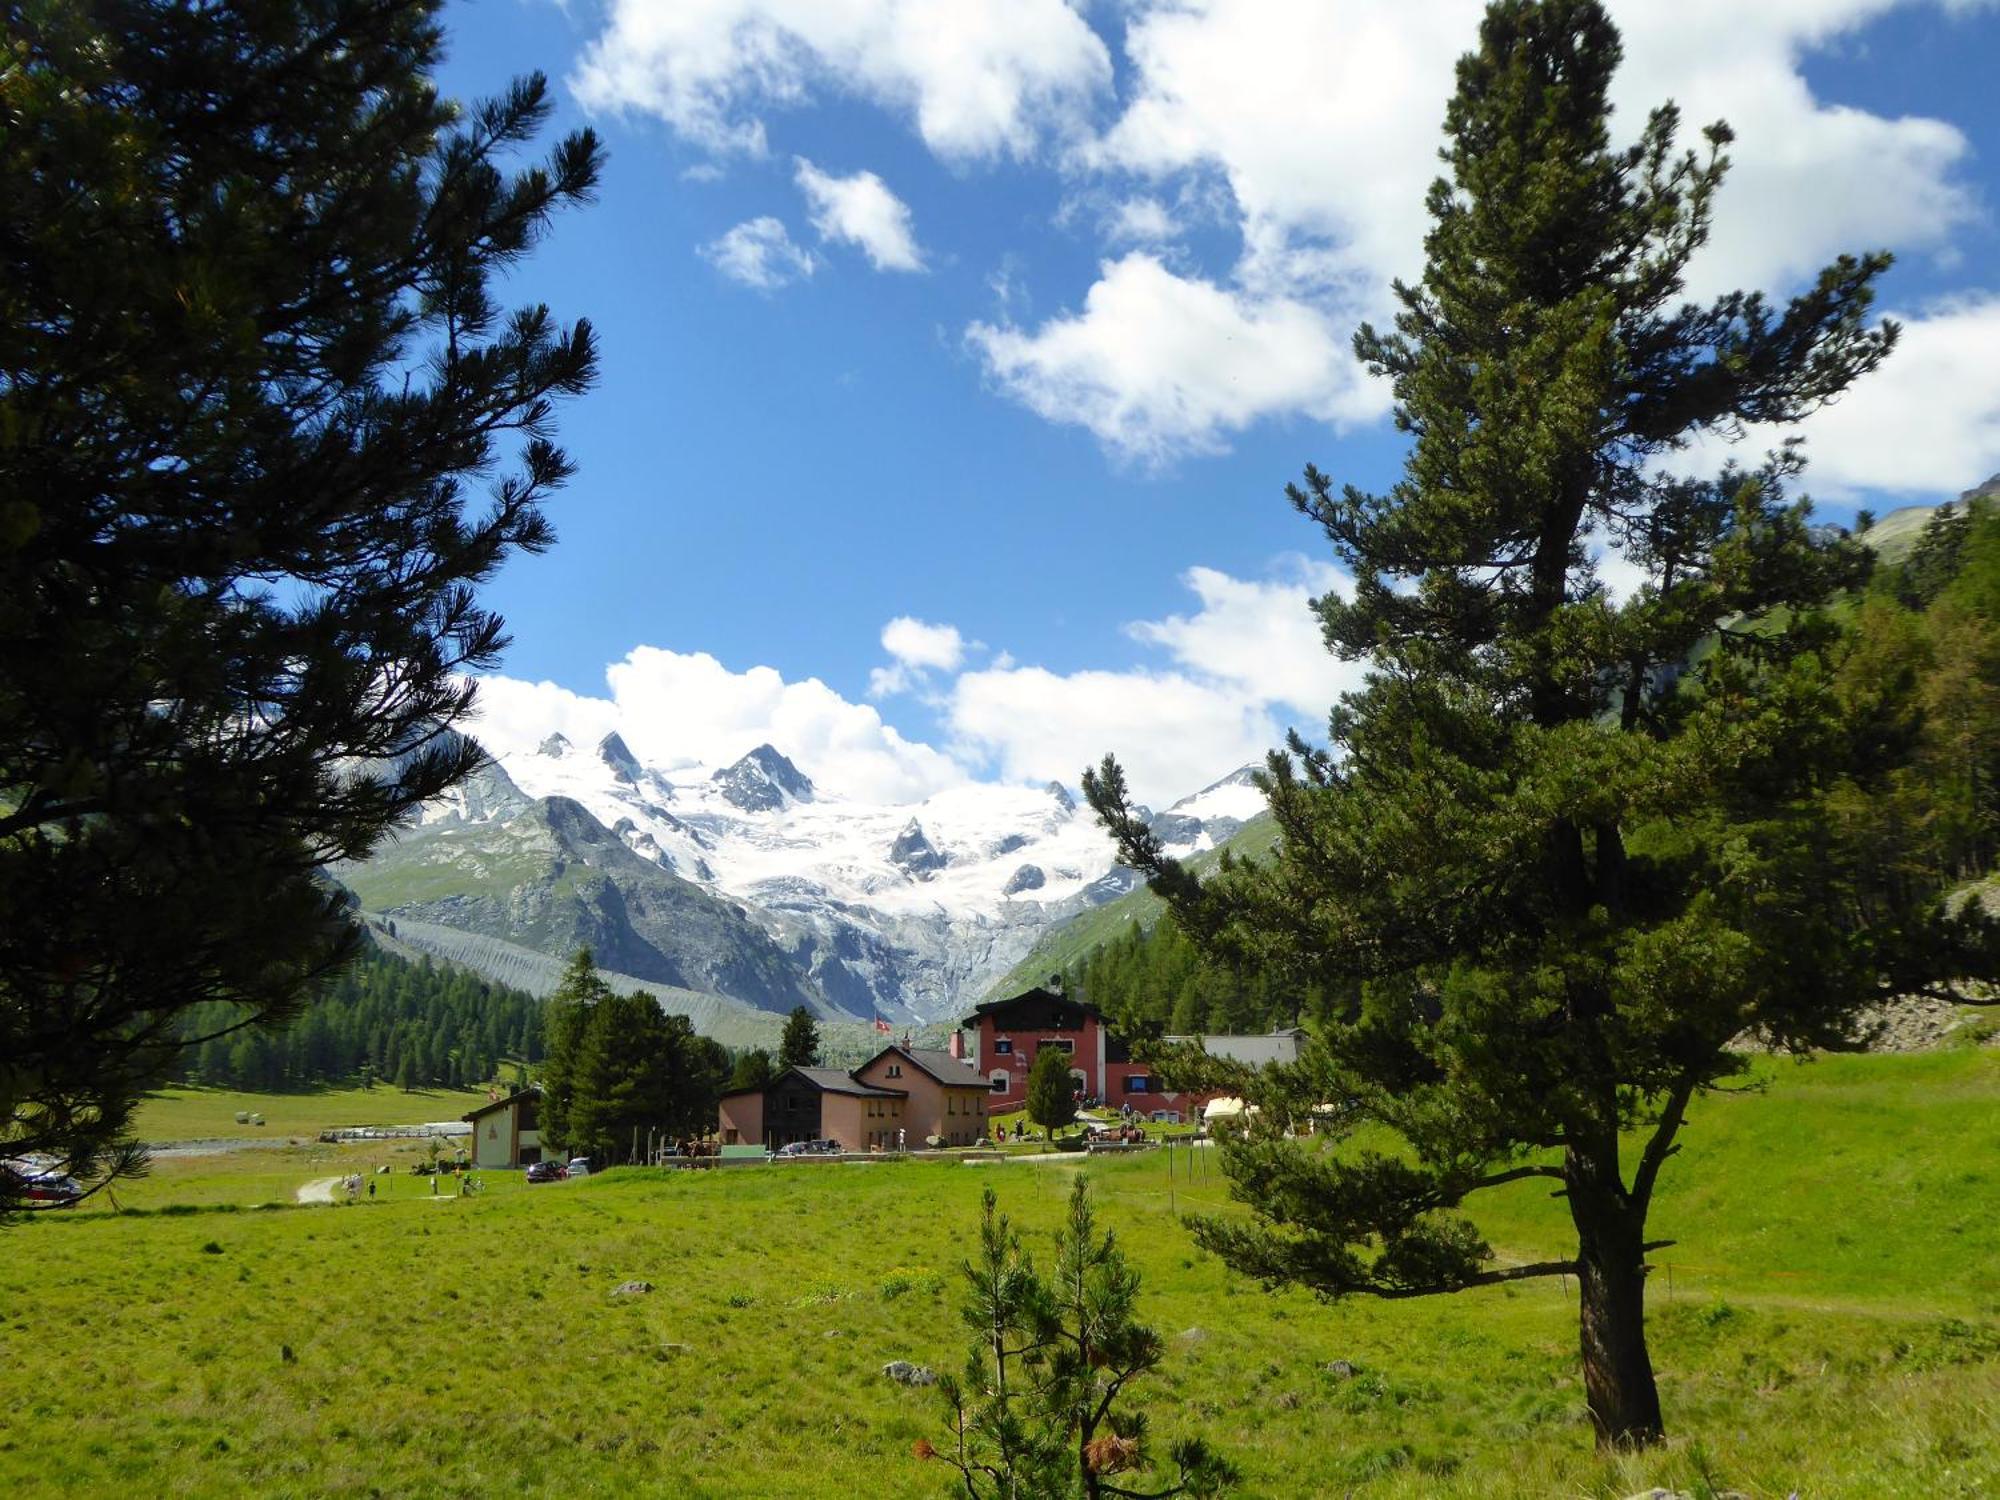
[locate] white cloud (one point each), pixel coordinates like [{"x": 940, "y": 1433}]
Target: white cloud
[
  {"x": 979, "y": 78},
  {"x": 1158, "y": 365},
  {"x": 1171, "y": 732},
  {"x": 678, "y": 709},
  {"x": 758, "y": 253},
  {"x": 1325, "y": 120},
  {"x": 916, "y": 650},
  {"x": 917, "y": 644},
  {"x": 1232, "y": 675},
  {"x": 1247, "y": 664},
  {"x": 1260, "y": 638},
  {"x": 1141, "y": 221},
  {"x": 862, "y": 211},
  {"x": 1927, "y": 423}
]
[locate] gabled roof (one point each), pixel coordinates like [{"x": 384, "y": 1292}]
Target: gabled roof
[
  {"x": 532, "y": 1095},
  {"x": 953, "y": 1072},
  {"x": 834, "y": 1081},
  {"x": 1037, "y": 995}
]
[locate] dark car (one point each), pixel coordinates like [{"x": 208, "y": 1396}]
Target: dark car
[{"x": 547, "y": 1171}]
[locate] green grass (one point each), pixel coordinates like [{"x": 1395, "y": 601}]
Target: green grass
[
  {"x": 1833, "y": 1327},
  {"x": 191, "y": 1114}
]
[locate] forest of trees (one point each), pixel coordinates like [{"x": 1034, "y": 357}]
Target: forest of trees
[
  {"x": 1152, "y": 981},
  {"x": 383, "y": 1018}
]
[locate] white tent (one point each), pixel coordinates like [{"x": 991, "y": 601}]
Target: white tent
[{"x": 1227, "y": 1108}]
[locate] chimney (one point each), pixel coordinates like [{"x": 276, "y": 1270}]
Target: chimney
[{"x": 958, "y": 1044}]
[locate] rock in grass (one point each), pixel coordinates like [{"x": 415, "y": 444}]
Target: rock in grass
[
  {"x": 904, "y": 1373},
  {"x": 1341, "y": 1369},
  {"x": 631, "y": 1288}
]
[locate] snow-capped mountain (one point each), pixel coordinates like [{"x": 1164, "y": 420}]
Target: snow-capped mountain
[{"x": 907, "y": 910}]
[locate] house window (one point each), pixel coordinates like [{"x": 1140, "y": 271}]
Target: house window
[
  {"x": 1062, "y": 1042},
  {"x": 895, "y": 1070},
  {"x": 1003, "y": 1046},
  {"x": 1000, "y": 1080},
  {"x": 1138, "y": 1083}
]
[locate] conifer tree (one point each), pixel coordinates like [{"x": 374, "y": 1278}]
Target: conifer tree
[
  {"x": 752, "y": 1070},
  {"x": 1564, "y": 848},
  {"x": 565, "y": 1020},
  {"x": 1042, "y": 1410},
  {"x": 799, "y": 1046},
  {"x": 263, "y": 431},
  {"x": 1051, "y": 1093}
]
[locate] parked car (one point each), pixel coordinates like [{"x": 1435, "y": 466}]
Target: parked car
[
  {"x": 811, "y": 1148},
  {"x": 39, "y": 1182},
  {"x": 579, "y": 1166},
  {"x": 547, "y": 1171}
]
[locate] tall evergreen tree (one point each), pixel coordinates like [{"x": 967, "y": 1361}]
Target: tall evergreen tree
[
  {"x": 565, "y": 1020},
  {"x": 799, "y": 1046},
  {"x": 251, "y": 368},
  {"x": 752, "y": 1070},
  {"x": 1051, "y": 1091},
  {"x": 1556, "y": 865}
]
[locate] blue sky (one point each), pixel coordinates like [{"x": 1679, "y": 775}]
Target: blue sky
[{"x": 955, "y": 357}]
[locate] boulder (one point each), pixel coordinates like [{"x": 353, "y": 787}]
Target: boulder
[
  {"x": 631, "y": 1288},
  {"x": 1341, "y": 1369},
  {"x": 904, "y": 1373}
]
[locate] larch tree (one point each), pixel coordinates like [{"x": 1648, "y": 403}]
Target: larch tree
[
  {"x": 1564, "y": 846},
  {"x": 263, "y": 431}
]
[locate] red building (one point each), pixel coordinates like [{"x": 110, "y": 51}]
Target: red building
[{"x": 1009, "y": 1034}]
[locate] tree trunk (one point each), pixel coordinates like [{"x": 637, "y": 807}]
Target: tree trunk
[{"x": 1617, "y": 1370}]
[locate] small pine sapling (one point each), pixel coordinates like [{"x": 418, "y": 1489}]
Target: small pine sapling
[{"x": 1035, "y": 1416}]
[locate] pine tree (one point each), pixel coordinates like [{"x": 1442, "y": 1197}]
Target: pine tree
[
  {"x": 565, "y": 1020},
  {"x": 799, "y": 1046},
  {"x": 1041, "y": 1409},
  {"x": 1051, "y": 1096},
  {"x": 251, "y": 370},
  {"x": 1564, "y": 848},
  {"x": 751, "y": 1071}
]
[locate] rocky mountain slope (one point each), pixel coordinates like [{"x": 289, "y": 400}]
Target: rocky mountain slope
[{"x": 747, "y": 889}]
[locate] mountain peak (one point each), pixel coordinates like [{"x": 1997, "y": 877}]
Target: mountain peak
[
  {"x": 914, "y": 853},
  {"x": 1061, "y": 793},
  {"x": 763, "y": 780},
  {"x": 614, "y": 752},
  {"x": 556, "y": 746}
]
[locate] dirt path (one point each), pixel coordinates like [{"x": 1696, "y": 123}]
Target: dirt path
[{"x": 319, "y": 1190}]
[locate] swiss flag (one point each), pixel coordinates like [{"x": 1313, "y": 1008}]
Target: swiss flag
[{"x": 882, "y": 1025}]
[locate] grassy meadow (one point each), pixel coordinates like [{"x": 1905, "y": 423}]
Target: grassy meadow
[
  {"x": 1829, "y": 1324},
  {"x": 201, "y": 1114}
]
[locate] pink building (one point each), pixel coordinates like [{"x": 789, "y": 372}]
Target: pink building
[{"x": 1009, "y": 1034}]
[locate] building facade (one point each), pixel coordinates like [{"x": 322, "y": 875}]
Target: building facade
[
  {"x": 813, "y": 1104},
  {"x": 945, "y": 1097},
  {"x": 1009, "y": 1034},
  {"x": 506, "y": 1133}
]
